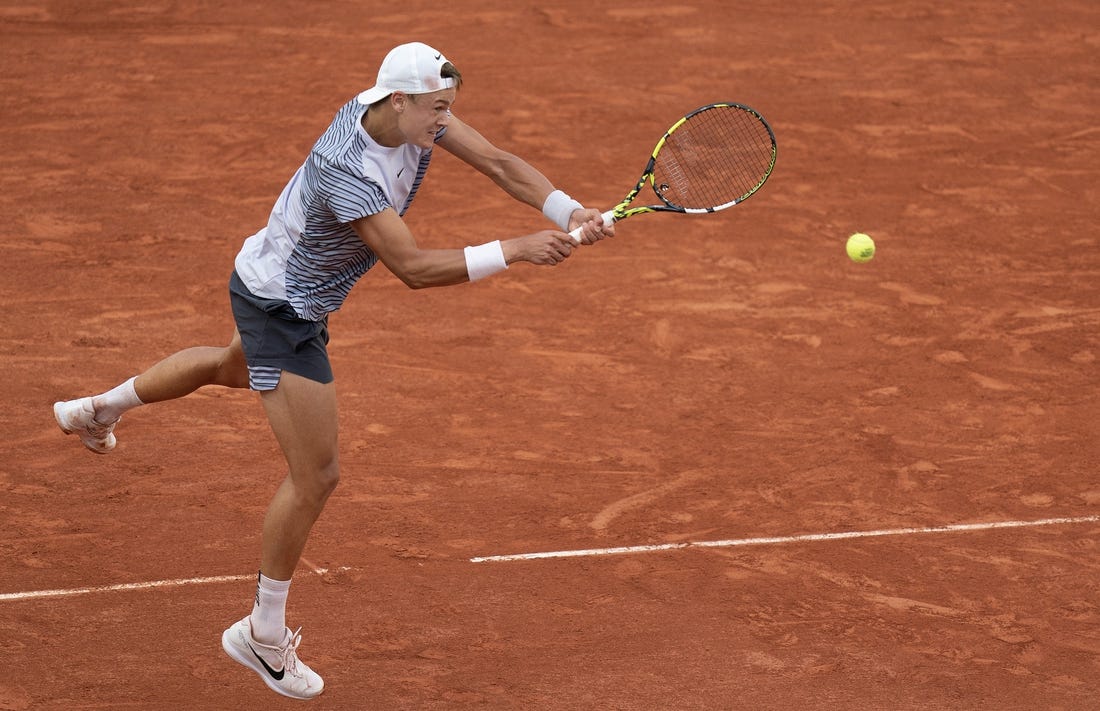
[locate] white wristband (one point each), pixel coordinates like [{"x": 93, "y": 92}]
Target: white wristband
[
  {"x": 559, "y": 207},
  {"x": 484, "y": 260}
]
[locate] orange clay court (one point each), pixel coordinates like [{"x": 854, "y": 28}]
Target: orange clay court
[{"x": 900, "y": 460}]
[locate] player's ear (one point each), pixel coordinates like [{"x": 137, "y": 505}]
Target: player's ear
[{"x": 398, "y": 101}]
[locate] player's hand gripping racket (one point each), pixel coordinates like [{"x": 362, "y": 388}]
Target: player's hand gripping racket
[{"x": 711, "y": 159}]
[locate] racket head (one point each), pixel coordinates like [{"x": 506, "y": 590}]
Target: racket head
[{"x": 713, "y": 158}]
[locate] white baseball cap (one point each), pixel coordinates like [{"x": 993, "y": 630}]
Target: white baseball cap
[{"x": 411, "y": 68}]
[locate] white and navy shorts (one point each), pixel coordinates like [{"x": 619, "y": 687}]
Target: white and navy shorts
[{"x": 275, "y": 338}]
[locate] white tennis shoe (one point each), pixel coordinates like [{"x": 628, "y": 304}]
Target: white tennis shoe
[
  {"x": 78, "y": 417},
  {"x": 278, "y": 666}
]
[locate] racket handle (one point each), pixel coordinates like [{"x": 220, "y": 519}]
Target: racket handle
[{"x": 608, "y": 220}]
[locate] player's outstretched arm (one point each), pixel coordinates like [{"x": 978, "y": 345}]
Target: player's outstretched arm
[
  {"x": 522, "y": 181},
  {"x": 390, "y": 238}
]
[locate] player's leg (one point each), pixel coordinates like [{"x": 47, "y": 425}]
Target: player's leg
[
  {"x": 303, "y": 416},
  {"x": 302, "y": 413},
  {"x": 186, "y": 371},
  {"x": 94, "y": 418}
]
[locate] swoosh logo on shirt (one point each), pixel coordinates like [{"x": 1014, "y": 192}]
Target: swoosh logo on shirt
[
  {"x": 276, "y": 675},
  {"x": 400, "y": 172}
]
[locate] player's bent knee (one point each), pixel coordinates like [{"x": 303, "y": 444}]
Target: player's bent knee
[{"x": 232, "y": 369}]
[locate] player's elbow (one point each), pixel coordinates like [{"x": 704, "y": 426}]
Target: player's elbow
[
  {"x": 415, "y": 276},
  {"x": 414, "y": 282},
  {"x": 410, "y": 278}
]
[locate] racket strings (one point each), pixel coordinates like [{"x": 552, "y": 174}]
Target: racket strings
[{"x": 716, "y": 157}]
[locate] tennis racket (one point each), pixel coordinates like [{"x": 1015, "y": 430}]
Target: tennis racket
[{"x": 710, "y": 160}]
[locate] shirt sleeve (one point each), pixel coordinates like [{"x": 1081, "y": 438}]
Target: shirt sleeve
[{"x": 351, "y": 197}]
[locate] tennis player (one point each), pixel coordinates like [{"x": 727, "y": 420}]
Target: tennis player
[{"x": 339, "y": 215}]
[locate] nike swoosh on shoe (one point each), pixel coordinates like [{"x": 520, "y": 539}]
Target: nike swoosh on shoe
[{"x": 276, "y": 675}]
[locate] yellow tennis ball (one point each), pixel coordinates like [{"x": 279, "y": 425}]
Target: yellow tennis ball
[{"x": 861, "y": 248}]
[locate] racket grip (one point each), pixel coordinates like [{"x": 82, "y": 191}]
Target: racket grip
[{"x": 608, "y": 220}]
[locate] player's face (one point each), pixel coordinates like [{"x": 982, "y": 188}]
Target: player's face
[{"x": 425, "y": 115}]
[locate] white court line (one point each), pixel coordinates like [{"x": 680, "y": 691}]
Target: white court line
[
  {"x": 178, "y": 582},
  {"x": 785, "y": 539},
  {"x": 306, "y": 562},
  {"x": 34, "y": 594}
]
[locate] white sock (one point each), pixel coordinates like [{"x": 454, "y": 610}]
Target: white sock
[
  {"x": 110, "y": 405},
  {"x": 269, "y": 612}
]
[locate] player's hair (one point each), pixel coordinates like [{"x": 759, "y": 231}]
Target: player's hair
[{"x": 448, "y": 71}]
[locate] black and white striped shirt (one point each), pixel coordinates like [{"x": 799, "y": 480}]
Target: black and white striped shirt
[{"x": 309, "y": 254}]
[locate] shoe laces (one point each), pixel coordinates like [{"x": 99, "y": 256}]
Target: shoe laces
[{"x": 289, "y": 653}]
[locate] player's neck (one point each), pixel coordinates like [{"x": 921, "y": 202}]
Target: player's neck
[{"x": 381, "y": 125}]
